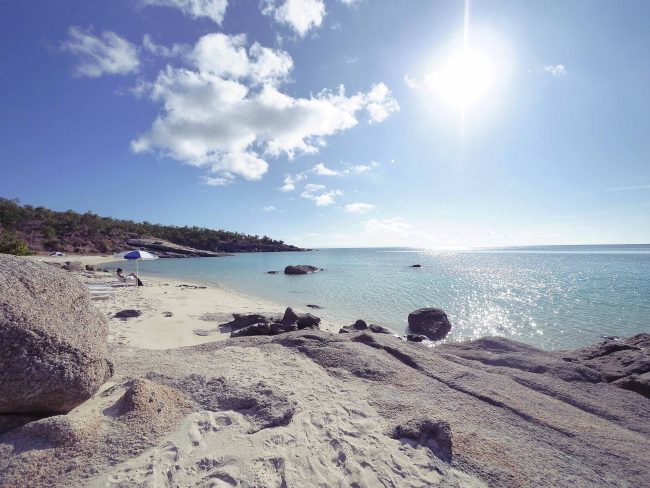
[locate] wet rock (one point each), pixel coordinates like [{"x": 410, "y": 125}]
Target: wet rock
[
  {"x": 415, "y": 337},
  {"x": 300, "y": 269},
  {"x": 272, "y": 272},
  {"x": 127, "y": 314},
  {"x": 90, "y": 267},
  {"x": 378, "y": 329},
  {"x": 53, "y": 341},
  {"x": 314, "y": 306},
  {"x": 430, "y": 322},
  {"x": 416, "y": 266},
  {"x": 168, "y": 314}
]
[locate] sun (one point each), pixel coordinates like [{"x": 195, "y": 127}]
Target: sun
[{"x": 463, "y": 78}]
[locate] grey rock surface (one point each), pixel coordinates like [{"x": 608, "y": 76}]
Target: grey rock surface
[
  {"x": 430, "y": 322},
  {"x": 489, "y": 412},
  {"x": 53, "y": 341}
]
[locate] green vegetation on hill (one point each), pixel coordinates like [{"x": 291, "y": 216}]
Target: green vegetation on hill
[{"x": 43, "y": 229}]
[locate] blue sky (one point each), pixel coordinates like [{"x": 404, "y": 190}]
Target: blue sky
[{"x": 335, "y": 123}]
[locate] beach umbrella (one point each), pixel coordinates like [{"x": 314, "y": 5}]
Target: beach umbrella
[{"x": 137, "y": 256}]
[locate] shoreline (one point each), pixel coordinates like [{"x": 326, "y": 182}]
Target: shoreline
[{"x": 198, "y": 307}]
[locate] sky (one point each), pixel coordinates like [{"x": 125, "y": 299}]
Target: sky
[{"x": 335, "y": 123}]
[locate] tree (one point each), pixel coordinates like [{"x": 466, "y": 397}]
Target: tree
[{"x": 10, "y": 244}]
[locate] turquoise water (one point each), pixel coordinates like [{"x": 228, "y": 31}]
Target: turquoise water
[{"x": 553, "y": 297}]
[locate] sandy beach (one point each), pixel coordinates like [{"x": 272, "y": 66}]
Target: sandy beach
[{"x": 197, "y": 308}]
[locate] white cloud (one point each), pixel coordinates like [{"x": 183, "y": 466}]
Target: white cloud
[
  {"x": 226, "y": 56},
  {"x": 228, "y": 115},
  {"x": 300, "y": 15},
  {"x": 358, "y": 207},
  {"x": 290, "y": 181},
  {"x": 322, "y": 170},
  {"x": 216, "y": 181},
  {"x": 211, "y": 9},
  {"x": 627, "y": 188},
  {"x": 410, "y": 81},
  {"x": 555, "y": 70},
  {"x": 175, "y": 51},
  {"x": 318, "y": 194},
  {"x": 380, "y": 103},
  {"x": 270, "y": 208},
  {"x": 395, "y": 226},
  {"x": 107, "y": 53},
  {"x": 350, "y": 59},
  {"x": 359, "y": 169}
]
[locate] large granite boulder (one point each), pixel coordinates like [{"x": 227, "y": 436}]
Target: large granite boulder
[
  {"x": 53, "y": 341},
  {"x": 430, "y": 322},
  {"x": 300, "y": 269}
]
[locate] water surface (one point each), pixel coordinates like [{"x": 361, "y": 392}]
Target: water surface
[{"x": 550, "y": 296}]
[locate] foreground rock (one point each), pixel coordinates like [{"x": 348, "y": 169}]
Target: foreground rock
[
  {"x": 301, "y": 269},
  {"x": 430, "y": 322},
  {"x": 358, "y": 409},
  {"x": 53, "y": 341}
]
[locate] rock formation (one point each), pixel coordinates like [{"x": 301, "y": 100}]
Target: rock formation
[
  {"x": 358, "y": 409},
  {"x": 430, "y": 322},
  {"x": 300, "y": 269},
  {"x": 53, "y": 341}
]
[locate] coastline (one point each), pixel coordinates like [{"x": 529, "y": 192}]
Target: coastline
[
  {"x": 197, "y": 307},
  {"x": 347, "y": 409}
]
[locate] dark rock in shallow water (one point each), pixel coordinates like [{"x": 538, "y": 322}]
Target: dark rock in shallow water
[
  {"x": 300, "y": 269},
  {"x": 90, "y": 267},
  {"x": 272, "y": 272},
  {"x": 53, "y": 341},
  {"x": 416, "y": 266},
  {"x": 314, "y": 306},
  {"x": 436, "y": 435},
  {"x": 430, "y": 322},
  {"x": 168, "y": 314},
  {"x": 127, "y": 314}
]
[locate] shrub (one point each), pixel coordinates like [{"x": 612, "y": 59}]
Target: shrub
[{"x": 10, "y": 244}]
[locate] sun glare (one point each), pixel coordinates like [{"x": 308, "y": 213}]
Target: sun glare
[{"x": 463, "y": 78}]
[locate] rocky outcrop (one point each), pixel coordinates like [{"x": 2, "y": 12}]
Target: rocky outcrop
[
  {"x": 624, "y": 363},
  {"x": 416, "y": 266},
  {"x": 301, "y": 269},
  {"x": 73, "y": 266},
  {"x": 430, "y": 322},
  {"x": 53, "y": 341},
  {"x": 256, "y": 325},
  {"x": 166, "y": 249},
  {"x": 369, "y": 409}
]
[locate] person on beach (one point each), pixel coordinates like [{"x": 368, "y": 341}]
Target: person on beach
[{"x": 123, "y": 278}]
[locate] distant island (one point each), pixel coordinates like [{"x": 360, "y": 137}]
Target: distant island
[{"x": 39, "y": 229}]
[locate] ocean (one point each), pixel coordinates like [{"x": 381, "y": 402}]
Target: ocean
[{"x": 547, "y": 296}]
